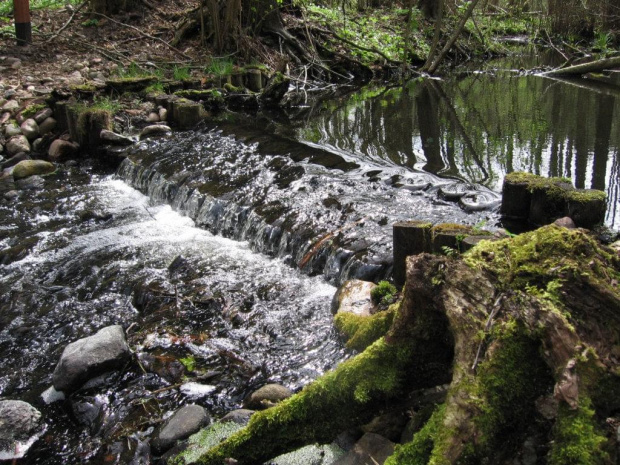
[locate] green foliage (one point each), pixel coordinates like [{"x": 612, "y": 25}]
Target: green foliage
[
  {"x": 220, "y": 67},
  {"x": 383, "y": 293},
  {"x": 6, "y": 7},
  {"x": 362, "y": 331},
  {"x": 189, "y": 363},
  {"x": 603, "y": 41},
  {"x": 33, "y": 110},
  {"x": 105, "y": 104},
  {"x": 575, "y": 438},
  {"x": 418, "y": 451},
  {"x": 93, "y": 22},
  {"x": 180, "y": 73},
  {"x": 135, "y": 71},
  {"x": 155, "y": 88}
]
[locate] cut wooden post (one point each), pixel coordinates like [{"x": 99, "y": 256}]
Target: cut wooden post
[
  {"x": 409, "y": 238},
  {"x": 23, "y": 28}
]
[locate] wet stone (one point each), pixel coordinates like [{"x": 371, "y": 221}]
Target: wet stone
[
  {"x": 267, "y": 396},
  {"x": 354, "y": 297},
  {"x": 19, "y": 424},
  {"x": 11, "y": 130},
  {"x": 47, "y": 126},
  {"x": 43, "y": 114},
  {"x": 87, "y": 357},
  {"x": 28, "y": 168},
  {"x": 371, "y": 448},
  {"x": 240, "y": 416},
  {"x": 182, "y": 424},
  {"x": 15, "y": 159},
  {"x": 17, "y": 144},
  {"x": 62, "y": 150},
  {"x": 31, "y": 183},
  {"x": 155, "y": 130},
  {"x": 114, "y": 138},
  {"x": 30, "y": 129}
]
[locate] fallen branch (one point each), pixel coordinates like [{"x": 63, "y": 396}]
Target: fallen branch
[
  {"x": 66, "y": 25},
  {"x": 590, "y": 67},
  {"x": 359, "y": 47}
]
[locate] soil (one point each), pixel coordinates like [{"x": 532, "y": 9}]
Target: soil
[{"x": 93, "y": 43}]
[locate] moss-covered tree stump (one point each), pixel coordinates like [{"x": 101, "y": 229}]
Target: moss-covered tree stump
[{"x": 526, "y": 331}]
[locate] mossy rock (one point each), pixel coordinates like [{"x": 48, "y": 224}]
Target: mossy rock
[
  {"x": 28, "y": 168},
  {"x": 135, "y": 84}
]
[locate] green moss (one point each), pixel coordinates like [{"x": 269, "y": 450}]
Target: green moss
[
  {"x": 515, "y": 374},
  {"x": 586, "y": 195},
  {"x": 575, "y": 438},
  {"x": 542, "y": 261},
  {"x": 32, "y": 110},
  {"x": 205, "y": 439},
  {"x": 383, "y": 293},
  {"x": 361, "y": 331},
  {"x": 333, "y": 403},
  {"x": 418, "y": 451}
]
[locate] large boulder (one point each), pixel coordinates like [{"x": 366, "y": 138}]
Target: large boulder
[
  {"x": 87, "y": 357},
  {"x": 113, "y": 138},
  {"x": 182, "y": 424},
  {"x": 17, "y": 144},
  {"x": 20, "y": 424},
  {"x": 62, "y": 150},
  {"x": 155, "y": 130},
  {"x": 267, "y": 396},
  {"x": 354, "y": 297},
  {"x": 28, "y": 168}
]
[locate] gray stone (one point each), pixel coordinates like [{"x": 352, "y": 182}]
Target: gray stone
[
  {"x": 17, "y": 144},
  {"x": 565, "y": 222},
  {"x": 32, "y": 168},
  {"x": 11, "y": 106},
  {"x": 30, "y": 183},
  {"x": 15, "y": 159},
  {"x": 152, "y": 117},
  {"x": 43, "y": 114},
  {"x": 20, "y": 424},
  {"x": 371, "y": 448},
  {"x": 47, "y": 126},
  {"x": 62, "y": 150},
  {"x": 5, "y": 117},
  {"x": 114, "y": 138},
  {"x": 155, "y": 130},
  {"x": 30, "y": 129},
  {"x": 267, "y": 396},
  {"x": 182, "y": 424},
  {"x": 87, "y": 357},
  {"x": 310, "y": 455},
  {"x": 354, "y": 297},
  {"x": 37, "y": 144},
  {"x": 11, "y": 130},
  {"x": 240, "y": 416},
  {"x": 163, "y": 114},
  {"x": 11, "y": 195}
]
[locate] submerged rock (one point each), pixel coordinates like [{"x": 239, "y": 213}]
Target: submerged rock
[
  {"x": 114, "y": 138},
  {"x": 354, "y": 297},
  {"x": 155, "y": 130},
  {"x": 182, "y": 424},
  {"x": 240, "y": 416},
  {"x": 20, "y": 424},
  {"x": 371, "y": 448},
  {"x": 267, "y": 396},
  {"x": 87, "y": 357}
]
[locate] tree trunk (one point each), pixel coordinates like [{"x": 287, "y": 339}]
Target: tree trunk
[{"x": 591, "y": 67}]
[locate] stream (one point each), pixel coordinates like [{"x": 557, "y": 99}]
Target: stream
[{"x": 218, "y": 249}]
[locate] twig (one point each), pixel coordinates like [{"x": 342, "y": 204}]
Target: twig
[
  {"x": 145, "y": 35},
  {"x": 567, "y": 58},
  {"x": 60, "y": 31},
  {"x": 167, "y": 388}
]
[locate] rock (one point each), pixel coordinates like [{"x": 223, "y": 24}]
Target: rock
[
  {"x": 187, "y": 114},
  {"x": 371, "y": 448},
  {"x": 565, "y": 222},
  {"x": 183, "y": 423},
  {"x": 152, "y": 117},
  {"x": 12, "y": 130},
  {"x": 37, "y": 144},
  {"x": 15, "y": 159},
  {"x": 30, "y": 183},
  {"x": 155, "y": 130},
  {"x": 30, "y": 129},
  {"x": 240, "y": 416},
  {"x": 163, "y": 114},
  {"x": 310, "y": 455},
  {"x": 87, "y": 357},
  {"x": 267, "y": 396},
  {"x": 354, "y": 297},
  {"x": 62, "y": 150},
  {"x": 28, "y": 168},
  {"x": 5, "y": 117},
  {"x": 11, "y": 195},
  {"x": 114, "y": 138},
  {"x": 43, "y": 114},
  {"x": 47, "y": 126},
  {"x": 20, "y": 424},
  {"x": 17, "y": 144},
  {"x": 389, "y": 425},
  {"x": 11, "y": 106}
]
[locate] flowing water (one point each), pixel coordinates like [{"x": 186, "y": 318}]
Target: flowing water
[{"x": 217, "y": 249}]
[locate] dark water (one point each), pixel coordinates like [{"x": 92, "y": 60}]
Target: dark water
[{"x": 478, "y": 126}]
